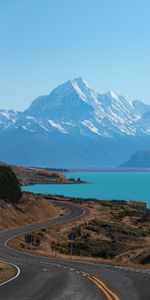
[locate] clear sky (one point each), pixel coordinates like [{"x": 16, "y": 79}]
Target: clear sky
[{"x": 46, "y": 42}]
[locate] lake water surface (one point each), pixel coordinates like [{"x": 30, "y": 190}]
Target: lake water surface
[{"x": 101, "y": 185}]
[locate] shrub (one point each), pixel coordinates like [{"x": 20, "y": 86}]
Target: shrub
[{"x": 9, "y": 186}]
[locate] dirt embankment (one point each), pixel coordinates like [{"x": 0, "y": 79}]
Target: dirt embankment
[{"x": 31, "y": 209}]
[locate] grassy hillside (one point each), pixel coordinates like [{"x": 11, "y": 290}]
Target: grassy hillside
[{"x": 32, "y": 208}]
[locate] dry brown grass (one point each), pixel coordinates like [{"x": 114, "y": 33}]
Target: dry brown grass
[
  {"x": 32, "y": 209},
  {"x": 6, "y": 271}
]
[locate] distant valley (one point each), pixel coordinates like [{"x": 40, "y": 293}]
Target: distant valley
[{"x": 74, "y": 126}]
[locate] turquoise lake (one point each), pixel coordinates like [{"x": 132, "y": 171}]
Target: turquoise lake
[{"x": 101, "y": 185}]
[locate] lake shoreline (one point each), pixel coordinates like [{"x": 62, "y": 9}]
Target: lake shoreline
[
  {"x": 109, "y": 170},
  {"x": 141, "y": 204},
  {"x": 56, "y": 183},
  {"x": 128, "y": 186}
]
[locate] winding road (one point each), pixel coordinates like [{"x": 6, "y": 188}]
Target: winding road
[{"x": 41, "y": 278}]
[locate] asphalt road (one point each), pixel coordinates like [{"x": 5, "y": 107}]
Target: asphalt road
[{"x": 52, "y": 279}]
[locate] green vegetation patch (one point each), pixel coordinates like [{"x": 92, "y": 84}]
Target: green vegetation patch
[{"x": 10, "y": 190}]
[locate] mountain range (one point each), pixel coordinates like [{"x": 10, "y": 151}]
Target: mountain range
[{"x": 75, "y": 126}]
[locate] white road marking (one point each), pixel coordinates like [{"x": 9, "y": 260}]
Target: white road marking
[{"x": 133, "y": 270}]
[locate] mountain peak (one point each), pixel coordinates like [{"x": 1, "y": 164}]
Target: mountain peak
[
  {"x": 112, "y": 94},
  {"x": 78, "y": 80},
  {"x": 71, "y": 100},
  {"x": 77, "y": 85}
]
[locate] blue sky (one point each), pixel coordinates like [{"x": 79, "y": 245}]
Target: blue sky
[{"x": 46, "y": 42}]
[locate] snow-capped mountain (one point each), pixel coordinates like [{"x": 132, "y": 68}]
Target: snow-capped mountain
[
  {"x": 74, "y": 118},
  {"x": 75, "y": 105}
]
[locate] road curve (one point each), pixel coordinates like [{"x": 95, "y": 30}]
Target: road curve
[{"x": 44, "y": 278}]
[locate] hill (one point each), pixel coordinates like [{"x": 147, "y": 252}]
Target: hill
[
  {"x": 31, "y": 209},
  {"x": 140, "y": 159}
]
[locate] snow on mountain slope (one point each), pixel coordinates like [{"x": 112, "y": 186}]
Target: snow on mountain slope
[
  {"x": 143, "y": 123},
  {"x": 120, "y": 114},
  {"x": 7, "y": 118}
]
